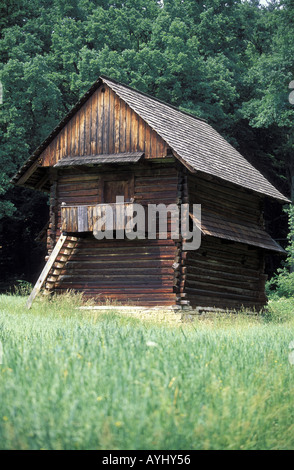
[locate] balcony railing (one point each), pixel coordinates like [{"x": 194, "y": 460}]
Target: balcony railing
[{"x": 83, "y": 218}]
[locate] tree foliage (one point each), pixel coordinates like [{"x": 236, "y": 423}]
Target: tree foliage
[
  {"x": 229, "y": 62},
  {"x": 282, "y": 283}
]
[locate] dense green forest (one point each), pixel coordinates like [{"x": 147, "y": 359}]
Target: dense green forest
[{"x": 229, "y": 62}]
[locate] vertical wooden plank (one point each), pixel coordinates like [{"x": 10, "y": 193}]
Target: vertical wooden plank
[
  {"x": 82, "y": 214},
  {"x": 86, "y": 218},
  {"x": 147, "y": 141},
  {"x": 72, "y": 130},
  {"x": 68, "y": 142},
  {"x": 69, "y": 131},
  {"x": 65, "y": 141},
  {"x": 45, "y": 155},
  {"x": 162, "y": 148},
  {"x": 80, "y": 219},
  {"x": 94, "y": 124},
  {"x": 82, "y": 131},
  {"x": 128, "y": 128},
  {"x": 69, "y": 220},
  {"x": 78, "y": 134},
  {"x": 90, "y": 217},
  {"x": 134, "y": 131},
  {"x": 153, "y": 144},
  {"x": 62, "y": 217},
  {"x": 68, "y": 227},
  {"x": 122, "y": 130},
  {"x": 73, "y": 135},
  {"x": 88, "y": 127},
  {"x": 60, "y": 139},
  {"x": 64, "y": 135},
  {"x": 50, "y": 154},
  {"x": 53, "y": 152},
  {"x": 97, "y": 120},
  {"x": 117, "y": 123},
  {"x": 106, "y": 119},
  {"x": 111, "y": 122},
  {"x": 142, "y": 127},
  {"x": 61, "y": 153},
  {"x": 100, "y": 122},
  {"x": 75, "y": 219},
  {"x": 58, "y": 150},
  {"x": 158, "y": 146}
]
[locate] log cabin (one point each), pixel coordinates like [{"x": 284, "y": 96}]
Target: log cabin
[{"x": 117, "y": 141}]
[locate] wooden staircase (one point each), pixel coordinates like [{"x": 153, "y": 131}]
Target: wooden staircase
[{"x": 53, "y": 267}]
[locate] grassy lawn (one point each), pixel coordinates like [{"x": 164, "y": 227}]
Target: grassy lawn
[{"x": 75, "y": 379}]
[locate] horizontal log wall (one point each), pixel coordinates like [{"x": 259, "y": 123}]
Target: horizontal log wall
[
  {"x": 239, "y": 205},
  {"x": 104, "y": 125},
  {"x": 140, "y": 271},
  {"x": 224, "y": 274},
  {"x": 133, "y": 272}
]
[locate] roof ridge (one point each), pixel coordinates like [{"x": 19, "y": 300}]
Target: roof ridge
[{"x": 153, "y": 98}]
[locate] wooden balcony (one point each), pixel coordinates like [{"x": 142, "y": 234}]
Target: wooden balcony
[{"x": 75, "y": 219}]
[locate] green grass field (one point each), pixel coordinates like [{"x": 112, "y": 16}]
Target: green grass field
[{"x": 85, "y": 380}]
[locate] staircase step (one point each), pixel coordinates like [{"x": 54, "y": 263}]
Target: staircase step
[{"x": 52, "y": 270}]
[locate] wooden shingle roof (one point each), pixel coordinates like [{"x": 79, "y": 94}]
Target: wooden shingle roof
[
  {"x": 218, "y": 226},
  {"x": 193, "y": 141}
]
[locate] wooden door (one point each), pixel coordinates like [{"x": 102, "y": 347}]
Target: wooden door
[{"x": 116, "y": 188}]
